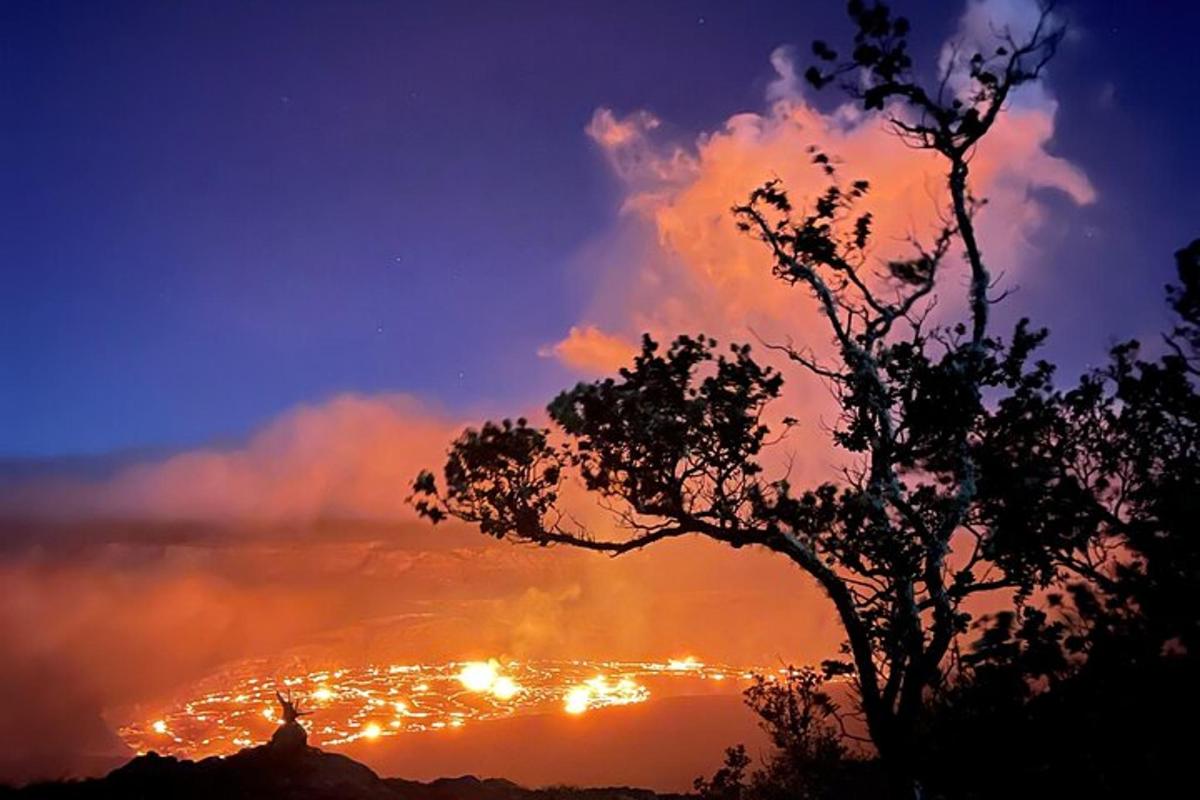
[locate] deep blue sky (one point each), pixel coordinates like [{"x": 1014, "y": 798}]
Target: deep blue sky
[{"x": 210, "y": 212}]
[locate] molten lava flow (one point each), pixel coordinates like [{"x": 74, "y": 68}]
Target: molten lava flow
[
  {"x": 484, "y": 676},
  {"x": 237, "y": 709},
  {"x": 597, "y": 692},
  {"x": 683, "y": 664},
  {"x": 577, "y": 700},
  {"x": 478, "y": 676},
  {"x": 505, "y": 688}
]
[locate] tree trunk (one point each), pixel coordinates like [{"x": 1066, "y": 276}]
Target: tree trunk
[{"x": 894, "y": 740}]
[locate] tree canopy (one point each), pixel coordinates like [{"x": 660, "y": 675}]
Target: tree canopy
[{"x": 971, "y": 471}]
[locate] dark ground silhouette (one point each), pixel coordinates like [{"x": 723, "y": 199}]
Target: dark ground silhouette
[{"x": 287, "y": 767}]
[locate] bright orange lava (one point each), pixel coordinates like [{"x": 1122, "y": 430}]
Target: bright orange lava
[{"x": 377, "y": 701}]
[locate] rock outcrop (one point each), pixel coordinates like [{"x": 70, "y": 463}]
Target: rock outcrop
[{"x": 287, "y": 768}]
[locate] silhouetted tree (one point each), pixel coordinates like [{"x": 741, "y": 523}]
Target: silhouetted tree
[
  {"x": 729, "y": 781},
  {"x": 289, "y": 710},
  {"x": 674, "y": 444},
  {"x": 1081, "y": 695},
  {"x": 811, "y": 757}
]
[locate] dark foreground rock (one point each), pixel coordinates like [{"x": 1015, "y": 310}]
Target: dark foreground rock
[
  {"x": 258, "y": 772},
  {"x": 469, "y": 787},
  {"x": 289, "y": 768}
]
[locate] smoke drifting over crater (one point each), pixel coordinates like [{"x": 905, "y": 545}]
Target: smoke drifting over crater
[{"x": 120, "y": 587}]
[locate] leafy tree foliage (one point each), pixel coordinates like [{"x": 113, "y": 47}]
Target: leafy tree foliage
[
  {"x": 1081, "y": 695},
  {"x": 811, "y": 758},
  {"x": 972, "y": 472}
]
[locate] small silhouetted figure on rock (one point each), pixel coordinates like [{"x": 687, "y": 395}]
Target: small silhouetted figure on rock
[
  {"x": 291, "y": 711},
  {"x": 291, "y": 734}
]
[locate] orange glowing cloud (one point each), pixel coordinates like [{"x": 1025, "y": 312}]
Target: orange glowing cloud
[
  {"x": 298, "y": 543},
  {"x": 703, "y": 274},
  {"x": 589, "y": 349},
  {"x": 128, "y": 585},
  {"x": 350, "y": 457}
]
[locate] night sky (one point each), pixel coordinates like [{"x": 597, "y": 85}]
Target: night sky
[
  {"x": 212, "y": 212},
  {"x": 263, "y": 260}
]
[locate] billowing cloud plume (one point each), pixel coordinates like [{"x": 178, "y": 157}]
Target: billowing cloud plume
[
  {"x": 351, "y": 457},
  {"x": 120, "y": 588},
  {"x": 703, "y": 274},
  {"x": 589, "y": 349}
]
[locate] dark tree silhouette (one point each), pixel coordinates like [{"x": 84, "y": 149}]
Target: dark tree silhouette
[
  {"x": 812, "y": 757},
  {"x": 1083, "y": 695},
  {"x": 289, "y": 710},
  {"x": 290, "y": 735},
  {"x": 933, "y": 513}
]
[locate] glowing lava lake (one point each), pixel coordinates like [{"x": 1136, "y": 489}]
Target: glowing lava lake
[{"x": 238, "y": 708}]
